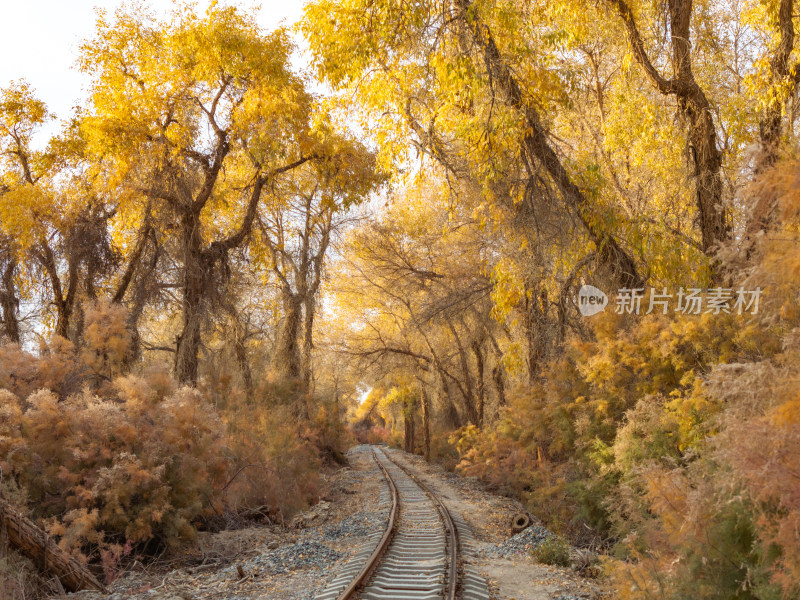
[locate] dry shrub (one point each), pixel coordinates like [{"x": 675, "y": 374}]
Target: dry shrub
[
  {"x": 10, "y": 424},
  {"x": 330, "y": 435},
  {"x": 776, "y": 265},
  {"x": 19, "y": 371},
  {"x": 276, "y": 464},
  {"x": 760, "y": 428},
  {"x": 131, "y": 460},
  {"x": 64, "y": 368},
  {"x": 442, "y": 451},
  {"x": 20, "y": 579},
  {"x": 694, "y": 529},
  {"x": 140, "y": 459},
  {"x": 723, "y": 519},
  {"x": 760, "y": 440},
  {"x": 512, "y": 463},
  {"x": 605, "y": 407},
  {"x": 381, "y": 435},
  {"x": 509, "y": 457},
  {"x": 57, "y": 369},
  {"x": 650, "y": 432},
  {"x": 368, "y": 433},
  {"x": 279, "y": 438},
  {"x": 107, "y": 341},
  {"x": 678, "y": 439},
  {"x": 111, "y": 463},
  {"x": 151, "y": 386},
  {"x": 60, "y": 368},
  {"x": 101, "y": 471}
]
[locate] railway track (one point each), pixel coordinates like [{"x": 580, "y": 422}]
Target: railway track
[{"x": 418, "y": 554}]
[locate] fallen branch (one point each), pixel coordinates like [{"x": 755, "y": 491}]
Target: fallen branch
[{"x": 34, "y": 543}]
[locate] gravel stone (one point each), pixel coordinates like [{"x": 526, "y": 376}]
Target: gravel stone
[
  {"x": 301, "y": 555},
  {"x": 521, "y": 543},
  {"x": 360, "y": 524}
]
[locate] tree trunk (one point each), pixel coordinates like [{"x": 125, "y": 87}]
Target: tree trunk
[
  {"x": 408, "y": 428},
  {"x": 308, "y": 338},
  {"x": 426, "y": 424},
  {"x": 78, "y": 323},
  {"x": 481, "y": 385},
  {"x": 144, "y": 235},
  {"x": 770, "y": 127},
  {"x": 240, "y": 349},
  {"x": 186, "y": 355},
  {"x": 498, "y": 377},
  {"x": 194, "y": 288},
  {"x": 451, "y": 417},
  {"x": 707, "y": 156},
  {"x": 141, "y": 293},
  {"x": 288, "y": 347},
  {"x": 714, "y": 227},
  {"x": 466, "y": 388},
  {"x": 537, "y": 151},
  {"x": 694, "y": 106},
  {"x": 10, "y": 303},
  {"x": 62, "y": 301},
  {"x": 337, "y": 423},
  {"x": 535, "y": 324}
]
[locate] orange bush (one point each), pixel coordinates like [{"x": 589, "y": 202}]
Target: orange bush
[
  {"x": 275, "y": 462},
  {"x": 128, "y": 459},
  {"x": 106, "y": 340},
  {"x": 139, "y": 467}
]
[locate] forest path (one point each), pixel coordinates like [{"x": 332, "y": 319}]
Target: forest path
[{"x": 297, "y": 561}]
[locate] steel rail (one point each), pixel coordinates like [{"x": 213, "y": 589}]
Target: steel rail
[
  {"x": 452, "y": 578},
  {"x": 360, "y": 579}
]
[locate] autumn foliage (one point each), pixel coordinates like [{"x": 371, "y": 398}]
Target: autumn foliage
[
  {"x": 109, "y": 461},
  {"x": 674, "y": 439},
  {"x": 202, "y": 273}
]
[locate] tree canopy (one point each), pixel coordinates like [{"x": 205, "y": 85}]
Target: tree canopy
[{"x": 392, "y": 245}]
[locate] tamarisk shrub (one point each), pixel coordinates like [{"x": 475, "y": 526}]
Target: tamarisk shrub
[
  {"x": 133, "y": 468},
  {"x": 106, "y": 461}
]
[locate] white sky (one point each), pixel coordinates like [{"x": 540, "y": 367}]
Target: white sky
[{"x": 41, "y": 39}]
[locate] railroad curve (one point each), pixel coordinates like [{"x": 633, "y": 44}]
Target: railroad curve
[{"x": 417, "y": 556}]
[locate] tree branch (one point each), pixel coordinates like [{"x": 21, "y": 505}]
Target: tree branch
[{"x": 665, "y": 86}]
